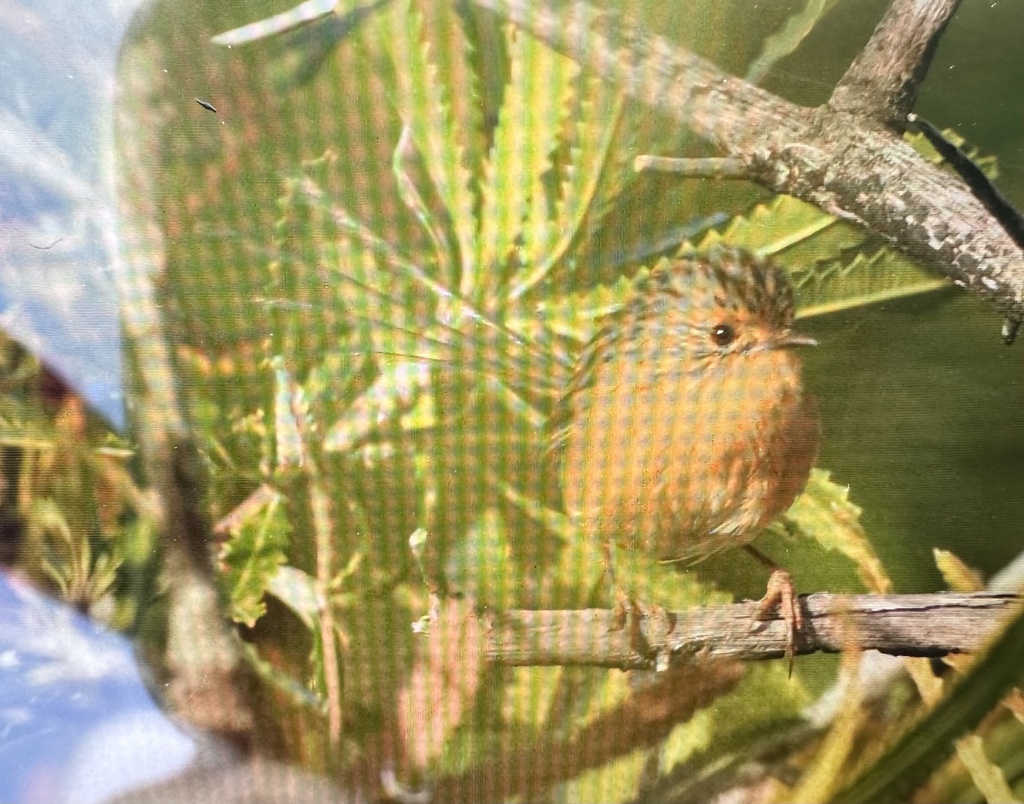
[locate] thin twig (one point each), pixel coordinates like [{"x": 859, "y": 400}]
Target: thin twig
[
  {"x": 703, "y": 168},
  {"x": 321, "y": 508}
]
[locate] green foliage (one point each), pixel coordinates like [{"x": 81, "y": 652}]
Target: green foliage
[
  {"x": 462, "y": 346},
  {"x": 448, "y": 348},
  {"x": 68, "y": 503},
  {"x": 928, "y": 742},
  {"x": 251, "y": 558},
  {"x": 403, "y": 324},
  {"x": 825, "y": 514}
]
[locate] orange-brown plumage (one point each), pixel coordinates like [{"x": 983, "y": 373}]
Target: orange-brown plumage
[{"x": 685, "y": 428}]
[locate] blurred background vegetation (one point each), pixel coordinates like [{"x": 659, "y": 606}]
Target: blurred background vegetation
[{"x": 378, "y": 256}]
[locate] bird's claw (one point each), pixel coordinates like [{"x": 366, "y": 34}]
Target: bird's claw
[{"x": 781, "y": 596}]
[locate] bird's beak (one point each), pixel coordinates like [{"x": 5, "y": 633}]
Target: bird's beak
[{"x": 787, "y": 339}]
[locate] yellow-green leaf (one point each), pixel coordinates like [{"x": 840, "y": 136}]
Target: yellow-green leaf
[
  {"x": 435, "y": 94},
  {"x": 530, "y": 121},
  {"x": 957, "y": 575},
  {"x": 825, "y": 513}
]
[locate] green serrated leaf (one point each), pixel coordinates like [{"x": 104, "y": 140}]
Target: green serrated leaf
[
  {"x": 989, "y": 165},
  {"x": 820, "y": 252},
  {"x": 436, "y": 99},
  {"x": 530, "y": 122},
  {"x": 603, "y": 144},
  {"x": 446, "y": 31},
  {"x": 769, "y": 229},
  {"x": 577, "y": 316},
  {"x": 811, "y": 244},
  {"x": 866, "y": 279},
  {"x": 251, "y": 558},
  {"x": 402, "y": 162},
  {"x": 593, "y": 161},
  {"x": 457, "y": 333}
]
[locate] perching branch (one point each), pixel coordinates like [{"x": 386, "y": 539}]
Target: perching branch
[
  {"x": 709, "y": 644},
  {"x": 847, "y": 156},
  {"x": 906, "y": 625}
]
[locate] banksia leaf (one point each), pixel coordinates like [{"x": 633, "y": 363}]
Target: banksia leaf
[{"x": 530, "y": 122}]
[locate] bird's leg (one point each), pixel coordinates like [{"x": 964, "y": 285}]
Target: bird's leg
[
  {"x": 780, "y": 595},
  {"x": 623, "y": 603},
  {"x": 656, "y": 617}
]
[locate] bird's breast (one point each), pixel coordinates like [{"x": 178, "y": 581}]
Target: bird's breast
[{"x": 684, "y": 463}]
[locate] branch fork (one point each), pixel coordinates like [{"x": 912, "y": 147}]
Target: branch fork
[{"x": 847, "y": 156}]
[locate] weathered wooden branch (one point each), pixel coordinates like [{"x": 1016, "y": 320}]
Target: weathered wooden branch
[
  {"x": 907, "y": 625},
  {"x": 847, "y": 156}
]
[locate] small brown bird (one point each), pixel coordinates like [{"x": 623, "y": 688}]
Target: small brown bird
[{"x": 685, "y": 428}]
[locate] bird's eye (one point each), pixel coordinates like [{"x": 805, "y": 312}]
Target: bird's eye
[{"x": 723, "y": 334}]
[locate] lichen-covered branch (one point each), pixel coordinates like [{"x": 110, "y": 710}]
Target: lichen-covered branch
[{"x": 884, "y": 79}]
